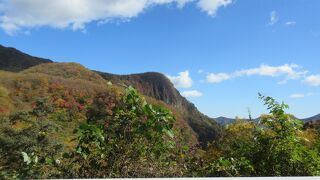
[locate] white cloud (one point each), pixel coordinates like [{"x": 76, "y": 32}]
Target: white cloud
[
  {"x": 274, "y": 17},
  {"x": 300, "y": 95},
  {"x": 217, "y": 78},
  {"x": 200, "y": 71},
  {"x": 313, "y": 80},
  {"x": 288, "y": 71},
  {"x": 183, "y": 80},
  {"x": 211, "y": 6},
  {"x": 282, "y": 82},
  {"x": 75, "y": 14},
  {"x": 297, "y": 96},
  {"x": 193, "y": 93},
  {"x": 290, "y": 23}
]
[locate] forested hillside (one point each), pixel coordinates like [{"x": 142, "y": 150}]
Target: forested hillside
[{"x": 153, "y": 85}]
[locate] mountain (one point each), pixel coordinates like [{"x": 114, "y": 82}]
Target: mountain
[
  {"x": 312, "y": 122},
  {"x": 224, "y": 121},
  {"x": 151, "y": 84},
  {"x": 313, "y": 118},
  {"x": 155, "y": 86},
  {"x": 14, "y": 60}
]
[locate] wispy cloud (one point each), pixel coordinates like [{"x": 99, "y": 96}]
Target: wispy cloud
[
  {"x": 274, "y": 17},
  {"x": 282, "y": 82},
  {"x": 183, "y": 80},
  {"x": 300, "y": 95},
  {"x": 291, "y": 71},
  {"x": 220, "y": 77},
  {"x": 75, "y": 14},
  {"x": 312, "y": 80},
  {"x": 290, "y": 23},
  {"x": 288, "y": 71},
  {"x": 193, "y": 93}
]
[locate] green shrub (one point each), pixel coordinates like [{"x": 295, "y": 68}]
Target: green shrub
[
  {"x": 274, "y": 147},
  {"x": 42, "y": 108},
  {"x": 135, "y": 141}
]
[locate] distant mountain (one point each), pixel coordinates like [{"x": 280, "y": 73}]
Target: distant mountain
[
  {"x": 313, "y": 118},
  {"x": 14, "y": 60},
  {"x": 224, "y": 121},
  {"x": 312, "y": 122}
]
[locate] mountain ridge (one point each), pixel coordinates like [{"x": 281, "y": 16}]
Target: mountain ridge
[
  {"x": 312, "y": 118},
  {"x": 225, "y": 120},
  {"x": 14, "y": 60}
]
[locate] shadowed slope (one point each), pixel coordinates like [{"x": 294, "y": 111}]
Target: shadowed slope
[
  {"x": 313, "y": 118},
  {"x": 13, "y": 60}
]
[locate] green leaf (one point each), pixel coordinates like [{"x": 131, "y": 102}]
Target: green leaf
[
  {"x": 49, "y": 161},
  {"x": 169, "y": 133},
  {"x": 26, "y": 158},
  {"x": 36, "y": 159},
  {"x": 185, "y": 148}
]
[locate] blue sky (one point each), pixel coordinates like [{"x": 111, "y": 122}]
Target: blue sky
[{"x": 229, "y": 49}]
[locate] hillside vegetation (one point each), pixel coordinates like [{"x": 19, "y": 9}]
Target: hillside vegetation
[{"x": 71, "y": 71}]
